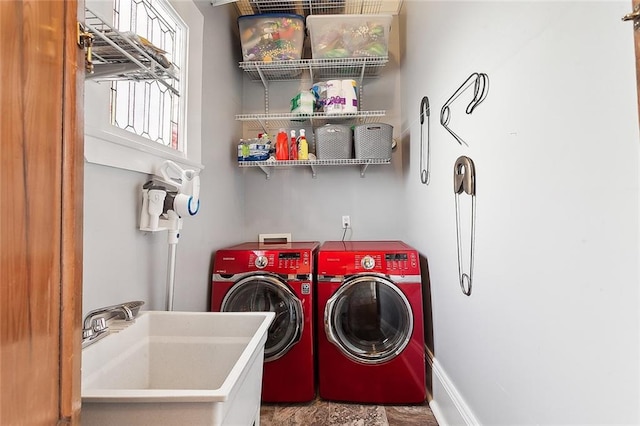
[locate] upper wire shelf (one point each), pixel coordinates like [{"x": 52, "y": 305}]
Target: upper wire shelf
[
  {"x": 120, "y": 56},
  {"x": 318, "y": 7},
  {"x": 317, "y": 68}
]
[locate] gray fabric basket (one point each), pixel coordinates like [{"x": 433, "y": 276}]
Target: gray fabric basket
[
  {"x": 334, "y": 141},
  {"x": 373, "y": 141}
]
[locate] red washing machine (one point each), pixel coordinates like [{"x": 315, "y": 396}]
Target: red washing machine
[
  {"x": 371, "y": 347},
  {"x": 254, "y": 277}
]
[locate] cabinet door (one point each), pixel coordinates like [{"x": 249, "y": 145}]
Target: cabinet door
[{"x": 41, "y": 183}]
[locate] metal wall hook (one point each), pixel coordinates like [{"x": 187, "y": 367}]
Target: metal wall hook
[
  {"x": 464, "y": 180},
  {"x": 480, "y": 83},
  {"x": 425, "y": 111}
]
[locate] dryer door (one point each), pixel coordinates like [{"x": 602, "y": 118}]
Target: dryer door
[
  {"x": 369, "y": 319},
  {"x": 260, "y": 293}
]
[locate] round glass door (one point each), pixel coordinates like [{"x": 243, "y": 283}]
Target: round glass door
[
  {"x": 369, "y": 319},
  {"x": 264, "y": 293}
]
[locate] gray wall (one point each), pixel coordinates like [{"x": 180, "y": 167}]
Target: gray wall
[
  {"x": 550, "y": 333},
  {"x": 311, "y": 208},
  {"x": 120, "y": 262}
]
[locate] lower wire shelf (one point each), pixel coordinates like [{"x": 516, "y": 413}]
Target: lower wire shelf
[{"x": 267, "y": 166}]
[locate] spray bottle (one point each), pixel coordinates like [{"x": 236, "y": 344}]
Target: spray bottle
[
  {"x": 303, "y": 146},
  {"x": 293, "y": 147}
]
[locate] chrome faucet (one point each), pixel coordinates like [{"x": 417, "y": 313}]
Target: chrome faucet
[{"x": 95, "y": 322}]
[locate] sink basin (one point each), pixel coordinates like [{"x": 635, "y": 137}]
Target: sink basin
[{"x": 177, "y": 368}]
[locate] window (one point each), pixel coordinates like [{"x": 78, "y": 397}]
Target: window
[
  {"x": 136, "y": 125},
  {"x": 152, "y": 109}
]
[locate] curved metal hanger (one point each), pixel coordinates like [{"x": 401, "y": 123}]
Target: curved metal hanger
[{"x": 480, "y": 83}]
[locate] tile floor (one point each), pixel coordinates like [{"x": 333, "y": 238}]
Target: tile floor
[{"x": 327, "y": 413}]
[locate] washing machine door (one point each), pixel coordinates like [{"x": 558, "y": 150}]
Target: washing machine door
[
  {"x": 267, "y": 293},
  {"x": 369, "y": 319}
]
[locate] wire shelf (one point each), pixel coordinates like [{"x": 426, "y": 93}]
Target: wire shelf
[
  {"x": 307, "y": 163},
  {"x": 314, "y": 7},
  {"x": 265, "y": 122},
  {"x": 317, "y": 68},
  {"x": 314, "y": 69},
  {"x": 117, "y": 56},
  {"x": 267, "y": 166}
]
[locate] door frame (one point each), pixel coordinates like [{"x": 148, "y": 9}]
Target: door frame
[
  {"x": 636, "y": 37},
  {"x": 72, "y": 218},
  {"x": 43, "y": 172}
]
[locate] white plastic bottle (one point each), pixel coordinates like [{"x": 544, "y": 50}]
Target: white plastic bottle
[{"x": 240, "y": 150}]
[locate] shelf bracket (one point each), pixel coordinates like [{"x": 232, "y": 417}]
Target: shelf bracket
[
  {"x": 264, "y": 125},
  {"x": 262, "y": 77},
  {"x": 266, "y": 100},
  {"x": 266, "y": 171},
  {"x": 311, "y": 73},
  {"x": 363, "y": 169},
  {"x": 364, "y": 66},
  {"x": 313, "y": 171},
  {"x": 265, "y": 83}
]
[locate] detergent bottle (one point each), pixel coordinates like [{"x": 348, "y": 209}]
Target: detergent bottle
[
  {"x": 282, "y": 145},
  {"x": 293, "y": 147},
  {"x": 303, "y": 146}
]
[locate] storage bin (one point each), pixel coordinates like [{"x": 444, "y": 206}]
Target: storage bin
[
  {"x": 334, "y": 141},
  {"x": 271, "y": 36},
  {"x": 373, "y": 141},
  {"x": 349, "y": 36}
]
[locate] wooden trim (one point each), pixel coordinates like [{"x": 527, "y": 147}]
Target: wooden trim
[
  {"x": 636, "y": 37},
  {"x": 72, "y": 216}
]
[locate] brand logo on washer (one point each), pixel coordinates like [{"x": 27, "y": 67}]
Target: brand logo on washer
[{"x": 306, "y": 288}]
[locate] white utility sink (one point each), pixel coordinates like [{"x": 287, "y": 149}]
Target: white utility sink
[{"x": 177, "y": 368}]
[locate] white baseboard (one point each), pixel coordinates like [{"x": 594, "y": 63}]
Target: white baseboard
[
  {"x": 435, "y": 409},
  {"x": 447, "y": 405}
]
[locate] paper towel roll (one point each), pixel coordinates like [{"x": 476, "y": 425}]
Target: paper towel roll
[
  {"x": 335, "y": 99},
  {"x": 350, "y": 94}
]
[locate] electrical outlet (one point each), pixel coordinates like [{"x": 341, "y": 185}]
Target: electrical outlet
[{"x": 346, "y": 222}]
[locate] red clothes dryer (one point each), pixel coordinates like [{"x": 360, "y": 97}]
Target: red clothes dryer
[
  {"x": 370, "y": 324},
  {"x": 253, "y": 277}
]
